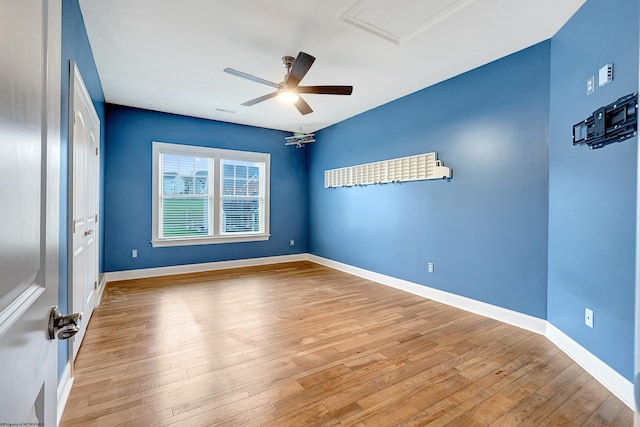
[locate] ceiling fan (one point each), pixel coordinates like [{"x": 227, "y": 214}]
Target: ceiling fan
[{"x": 288, "y": 89}]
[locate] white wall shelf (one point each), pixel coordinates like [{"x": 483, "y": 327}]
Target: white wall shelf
[{"x": 402, "y": 169}]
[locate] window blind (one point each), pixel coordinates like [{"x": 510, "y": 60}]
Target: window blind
[
  {"x": 242, "y": 197},
  {"x": 185, "y": 195}
]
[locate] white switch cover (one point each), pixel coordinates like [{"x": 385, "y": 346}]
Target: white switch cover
[
  {"x": 605, "y": 75},
  {"x": 430, "y": 267},
  {"x": 588, "y": 317},
  {"x": 134, "y": 253}
]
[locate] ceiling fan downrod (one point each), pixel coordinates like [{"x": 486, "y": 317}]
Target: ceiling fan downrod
[{"x": 287, "y": 62}]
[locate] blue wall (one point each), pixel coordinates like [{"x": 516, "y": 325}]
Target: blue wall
[
  {"x": 127, "y": 196},
  {"x": 592, "y": 193},
  {"x": 75, "y": 47},
  {"x": 485, "y": 229}
]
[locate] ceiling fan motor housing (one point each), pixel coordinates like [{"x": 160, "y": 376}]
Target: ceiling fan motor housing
[{"x": 287, "y": 62}]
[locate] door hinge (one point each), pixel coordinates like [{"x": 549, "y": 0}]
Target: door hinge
[
  {"x": 73, "y": 226},
  {"x": 95, "y": 285},
  {"x": 96, "y": 218},
  {"x": 96, "y": 151}
]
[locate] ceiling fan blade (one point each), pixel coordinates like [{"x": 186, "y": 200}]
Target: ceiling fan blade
[
  {"x": 302, "y": 106},
  {"x": 250, "y": 77},
  {"x": 299, "y": 69},
  {"x": 326, "y": 90},
  {"x": 260, "y": 99}
]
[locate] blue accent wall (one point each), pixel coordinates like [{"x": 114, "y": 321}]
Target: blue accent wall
[
  {"x": 486, "y": 229},
  {"x": 127, "y": 196},
  {"x": 75, "y": 47},
  {"x": 592, "y": 193}
]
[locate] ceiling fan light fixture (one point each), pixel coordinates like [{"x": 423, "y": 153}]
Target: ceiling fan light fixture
[{"x": 289, "y": 96}]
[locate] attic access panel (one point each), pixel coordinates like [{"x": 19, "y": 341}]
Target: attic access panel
[{"x": 400, "y": 20}]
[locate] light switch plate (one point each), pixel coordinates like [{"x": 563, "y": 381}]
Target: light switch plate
[{"x": 605, "y": 75}]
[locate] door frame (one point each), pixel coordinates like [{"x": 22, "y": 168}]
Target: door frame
[
  {"x": 76, "y": 80},
  {"x": 636, "y": 418}
]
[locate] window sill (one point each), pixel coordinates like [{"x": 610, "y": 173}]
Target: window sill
[{"x": 209, "y": 240}]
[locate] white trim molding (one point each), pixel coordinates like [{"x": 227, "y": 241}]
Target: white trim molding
[
  {"x": 621, "y": 387},
  {"x": 100, "y": 290},
  {"x": 197, "y": 268},
  {"x": 511, "y": 317},
  {"x": 64, "y": 389}
]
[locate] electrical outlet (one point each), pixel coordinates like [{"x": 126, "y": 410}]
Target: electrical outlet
[
  {"x": 588, "y": 317},
  {"x": 134, "y": 253},
  {"x": 292, "y": 242},
  {"x": 429, "y": 267},
  {"x": 591, "y": 85}
]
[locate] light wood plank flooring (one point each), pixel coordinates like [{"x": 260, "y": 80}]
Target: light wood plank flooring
[{"x": 299, "y": 344}]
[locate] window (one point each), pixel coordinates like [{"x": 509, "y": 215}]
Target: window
[{"x": 206, "y": 195}]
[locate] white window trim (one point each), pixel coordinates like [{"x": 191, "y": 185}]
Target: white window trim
[{"x": 217, "y": 154}]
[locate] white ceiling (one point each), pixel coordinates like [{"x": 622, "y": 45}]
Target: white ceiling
[{"x": 168, "y": 55}]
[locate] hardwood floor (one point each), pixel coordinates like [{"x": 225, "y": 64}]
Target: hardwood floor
[{"x": 299, "y": 344}]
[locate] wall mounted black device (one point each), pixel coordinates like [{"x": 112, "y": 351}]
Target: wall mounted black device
[{"x": 612, "y": 123}]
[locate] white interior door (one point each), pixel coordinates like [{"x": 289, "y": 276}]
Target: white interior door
[
  {"x": 29, "y": 207},
  {"x": 86, "y": 137}
]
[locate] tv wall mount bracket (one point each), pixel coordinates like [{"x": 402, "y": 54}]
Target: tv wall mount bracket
[{"x": 615, "y": 122}]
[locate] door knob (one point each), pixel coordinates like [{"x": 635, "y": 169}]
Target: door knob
[
  {"x": 65, "y": 326},
  {"x": 87, "y": 232},
  {"x": 67, "y": 333}
]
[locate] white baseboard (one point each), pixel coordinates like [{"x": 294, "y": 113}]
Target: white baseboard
[
  {"x": 621, "y": 387},
  {"x": 197, "y": 268},
  {"x": 511, "y": 317},
  {"x": 100, "y": 290},
  {"x": 64, "y": 389}
]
